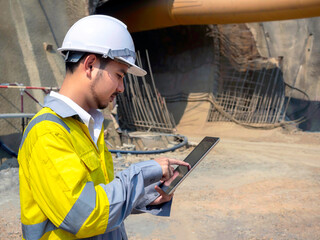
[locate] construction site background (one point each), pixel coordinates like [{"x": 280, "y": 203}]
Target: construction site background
[
  {"x": 188, "y": 62},
  {"x": 254, "y": 85}
]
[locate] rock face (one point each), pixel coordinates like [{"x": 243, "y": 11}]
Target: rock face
[{"x": 297, "y": 41}]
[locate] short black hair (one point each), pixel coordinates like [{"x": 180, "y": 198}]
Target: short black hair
[{"x": 72, "y": 66}]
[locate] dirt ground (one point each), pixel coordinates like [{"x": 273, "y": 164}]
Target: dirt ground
[{"x": 255, "y": 184}]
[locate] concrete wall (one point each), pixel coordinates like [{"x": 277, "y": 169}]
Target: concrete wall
[{"x": 25, "y": 26}]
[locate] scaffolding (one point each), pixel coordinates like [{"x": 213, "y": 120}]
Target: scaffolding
[{"x": 24, "y": 90}]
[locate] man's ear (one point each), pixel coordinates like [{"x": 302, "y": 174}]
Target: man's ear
[{"x": 89, "y": 63}]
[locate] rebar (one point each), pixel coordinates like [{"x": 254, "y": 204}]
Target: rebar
[
  {"x": 141, "y": 105},
  {"x": 249, "y": 89}
]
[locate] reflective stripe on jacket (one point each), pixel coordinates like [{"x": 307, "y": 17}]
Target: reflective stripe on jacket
[{"x": 67, "y": 185}]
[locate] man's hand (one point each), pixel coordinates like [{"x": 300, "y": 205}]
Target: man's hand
[
  {"x": 162, "y": 198},
  {"x": 167, "y": 173},
  {"x": 166, "y": 165}
]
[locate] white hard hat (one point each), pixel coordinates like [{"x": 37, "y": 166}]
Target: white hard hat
[{"x": 103, "y": 35}]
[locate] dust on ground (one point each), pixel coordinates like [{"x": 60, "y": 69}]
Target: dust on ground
[{"x": 255, "y": 184}]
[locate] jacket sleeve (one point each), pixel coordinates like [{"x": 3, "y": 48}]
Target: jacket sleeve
[{"x": 62, "y": 188}]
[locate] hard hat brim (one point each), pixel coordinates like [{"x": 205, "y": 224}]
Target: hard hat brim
[{"x": 133, "y": 69}]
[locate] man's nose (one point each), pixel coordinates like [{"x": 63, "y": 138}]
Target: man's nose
[{"x": 120, "y": 88}]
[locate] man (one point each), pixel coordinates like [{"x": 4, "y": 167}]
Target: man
[{"x": 67, "y": 184}]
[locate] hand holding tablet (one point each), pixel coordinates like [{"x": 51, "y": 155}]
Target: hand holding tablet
[
  {"x": 181, "y": 172},
  {"x": 166, "y": 165}
]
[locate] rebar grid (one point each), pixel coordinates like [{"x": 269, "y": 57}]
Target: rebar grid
[{"x": 251, "y": 88}]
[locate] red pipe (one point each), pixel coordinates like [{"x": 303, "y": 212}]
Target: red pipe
[{"x": 28, "y": 87}]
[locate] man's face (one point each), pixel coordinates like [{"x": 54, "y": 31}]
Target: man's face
[{"x": 107, "y": 84}]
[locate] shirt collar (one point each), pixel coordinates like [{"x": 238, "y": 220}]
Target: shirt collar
[
  {"x": 65, "y": 107},
  {"x": 58, "y": 106}
]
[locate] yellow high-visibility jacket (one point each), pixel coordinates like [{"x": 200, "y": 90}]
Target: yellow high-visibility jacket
[{"x": 67, "y": 185}]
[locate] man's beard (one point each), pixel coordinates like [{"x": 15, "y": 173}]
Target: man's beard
[{"x": 100, "y": 105}]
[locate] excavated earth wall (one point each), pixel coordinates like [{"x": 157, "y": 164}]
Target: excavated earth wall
[{"x": 28, "y": 25}]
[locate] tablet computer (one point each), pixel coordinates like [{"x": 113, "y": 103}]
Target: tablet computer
[{"x": 194, "y": 158}]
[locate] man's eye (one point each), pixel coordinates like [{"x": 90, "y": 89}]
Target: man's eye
[{"x": 120, "y": 76}]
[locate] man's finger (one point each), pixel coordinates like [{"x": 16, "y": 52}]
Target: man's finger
[
  {"x": 162, "y": 198},
  {"x": 162, "y": 193},
  {"x": 178, "y": 162}
]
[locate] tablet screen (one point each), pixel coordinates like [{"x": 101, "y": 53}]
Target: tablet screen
[{"x": 193, "y": 159}]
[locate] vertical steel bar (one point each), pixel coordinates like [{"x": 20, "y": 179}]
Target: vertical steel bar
[
  {"x": 271, "y": 95},
  {"x": 275, "y": 107},
  {"x": 134, "y": 100},
  {"x": 280, "y": 107},
  {"x": 153, "y": 84},
  {"x": 22, "y": 109},
  {"x": 266, "y": 98},
  {"x": 151, "y": 116},
  {"x": 239, "y": 101},
  {"x": 279, "y": 100},
  {"x": 256, "y": 96},
  {"x": 128, "y": 101},
  {"x": 144, "y": 113},
  {"x": 154, "y": 116},
  {"x": 250, "y": 96},
  {"x": 259, "y": 93}
]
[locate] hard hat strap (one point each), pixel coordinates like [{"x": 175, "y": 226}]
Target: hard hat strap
[{"x": 72, "y": 56}]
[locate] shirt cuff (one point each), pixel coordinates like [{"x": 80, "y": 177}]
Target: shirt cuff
[{"x": 150, "y": 195}]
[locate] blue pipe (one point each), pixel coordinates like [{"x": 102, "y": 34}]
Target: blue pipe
[
  {"x": 184, "y": 142},
  {"x": 8, "y": 150}
]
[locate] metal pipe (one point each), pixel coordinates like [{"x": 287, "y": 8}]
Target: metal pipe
[
  {"x": 33, "y": 98},
  {"x": 8, "y": 150},
  {"x": 22, "y": 110},
  {"x": 17, "y": 115},
  {"x": 9, "y": 85}
]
